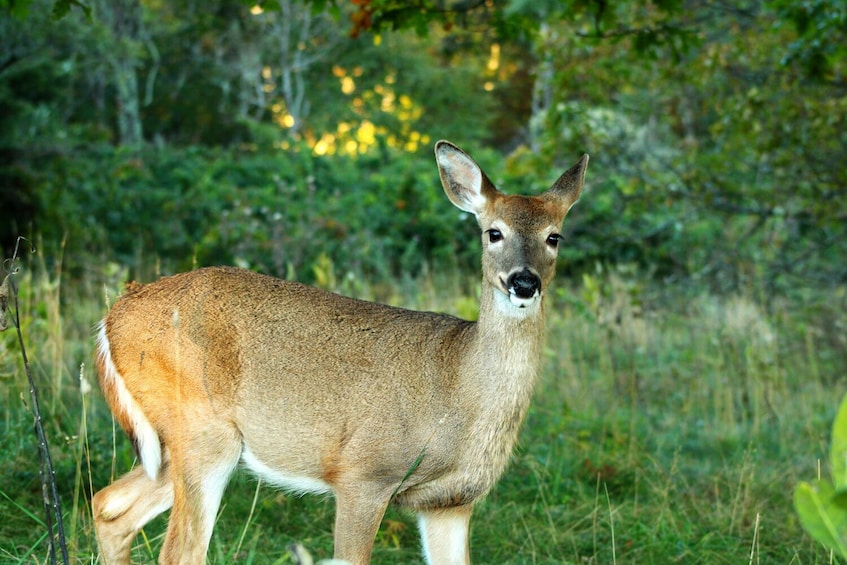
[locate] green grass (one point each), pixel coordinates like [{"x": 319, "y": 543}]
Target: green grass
[{"x": 669, "y": 426}]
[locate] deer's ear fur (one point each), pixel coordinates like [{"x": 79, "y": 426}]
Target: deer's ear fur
[
  {"x": 568, "y": 187},
  {"x": 465, "y": 184}
]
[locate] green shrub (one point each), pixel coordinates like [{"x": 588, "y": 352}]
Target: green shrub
[{"x": 378, "y": 215}]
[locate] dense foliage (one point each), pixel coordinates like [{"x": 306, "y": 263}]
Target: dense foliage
[
  {"x": 285, "y": 213},
  {"x": 296, "y": 134}
]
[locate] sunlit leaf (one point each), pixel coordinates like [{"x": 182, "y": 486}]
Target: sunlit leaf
[{"x": 821, "y": 515}]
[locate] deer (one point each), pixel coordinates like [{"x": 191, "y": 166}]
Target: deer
[{"x": 315, "y": 392}]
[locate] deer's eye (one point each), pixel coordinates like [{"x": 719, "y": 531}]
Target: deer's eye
[
  {"x": 553, "y": 239},
  {"x": 494, "y": 236}
]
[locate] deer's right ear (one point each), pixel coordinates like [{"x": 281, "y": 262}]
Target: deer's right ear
[{"x": 466, "y": 185}]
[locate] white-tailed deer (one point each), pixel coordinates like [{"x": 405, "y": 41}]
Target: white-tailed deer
[{"x": 315, "y": 392}]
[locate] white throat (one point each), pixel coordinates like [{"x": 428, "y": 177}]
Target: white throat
[{"x": 514, "y": 306}]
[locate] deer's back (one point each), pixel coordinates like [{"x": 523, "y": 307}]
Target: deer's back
[
  {"x": 257, "y": 327},
  {"x": 294, "y": 366}
]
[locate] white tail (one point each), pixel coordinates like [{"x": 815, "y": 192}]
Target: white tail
[{"x": 316, "y": 392}]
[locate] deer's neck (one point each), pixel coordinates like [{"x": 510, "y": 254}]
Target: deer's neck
[
  {"x": 499, "y": 372},
  {"x": 507, "y": 348}
]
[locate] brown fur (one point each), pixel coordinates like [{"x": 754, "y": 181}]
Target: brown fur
[{"x": 320, "y": 391}]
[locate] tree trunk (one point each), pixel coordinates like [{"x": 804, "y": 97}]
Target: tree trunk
[
  {"x": 122, "y": 21},
  {"x": 295, "y": 29},
  {"x": 542, "y": 92}
]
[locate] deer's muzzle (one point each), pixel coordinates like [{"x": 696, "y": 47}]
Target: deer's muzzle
[{"x": 523, "y": 286}]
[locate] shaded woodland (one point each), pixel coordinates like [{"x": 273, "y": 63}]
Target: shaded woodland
[{"x": 289, "y": 134}]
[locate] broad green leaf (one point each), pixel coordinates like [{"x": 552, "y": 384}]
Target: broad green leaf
[
  {"x": 838, "y": 448},
  {"x": 822, "y": 516}
]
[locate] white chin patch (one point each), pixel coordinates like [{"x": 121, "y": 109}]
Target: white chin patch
[
  {"x": 513, "y": 305},
  {"x": 523, "y": 302}
]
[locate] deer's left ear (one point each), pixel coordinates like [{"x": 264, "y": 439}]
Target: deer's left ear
[
  {"x": 568, "y": 187},
  {"x": 465, "y": 184}
]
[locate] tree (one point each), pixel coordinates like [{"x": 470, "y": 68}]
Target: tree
[
  {"x": 715, "y": 129},
  {"x": 718, "y": 141},
  {"x": 121, "y": 23}
]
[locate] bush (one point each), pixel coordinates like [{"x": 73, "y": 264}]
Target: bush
[{"x": 281, "y": 212}]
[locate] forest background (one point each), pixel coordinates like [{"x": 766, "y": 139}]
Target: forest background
[{"x": 141, "y": 138}]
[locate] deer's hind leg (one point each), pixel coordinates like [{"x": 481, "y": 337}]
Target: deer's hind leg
[
  {"x": 124, "y": 507},
  {"x": 203, "y": 455}
]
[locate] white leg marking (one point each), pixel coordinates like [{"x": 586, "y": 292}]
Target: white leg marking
[
  {"x": 213, "y": 487},
  {"x": 449, "y": 533}
]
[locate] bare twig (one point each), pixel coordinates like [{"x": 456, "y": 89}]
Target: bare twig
[{"x": 49, "y": 490}]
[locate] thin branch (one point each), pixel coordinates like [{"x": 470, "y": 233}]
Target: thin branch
[{"x": 49, "y": 489}]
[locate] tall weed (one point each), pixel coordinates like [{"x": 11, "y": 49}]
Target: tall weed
[{"x": 669, "y": 425}]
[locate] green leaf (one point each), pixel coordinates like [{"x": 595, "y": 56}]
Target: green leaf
[
  {"x": 19, "y": 9},
  {"x": 61, "y": 8},
  {"x": 838, "y": 448},
  {"x": 822, "y": 515}
]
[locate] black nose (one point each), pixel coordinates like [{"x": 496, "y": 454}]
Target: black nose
[{"x": 524, "y": 283}]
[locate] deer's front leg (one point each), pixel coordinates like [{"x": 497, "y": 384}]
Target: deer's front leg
[
  {"x": 444, "y": 535},
  {"x": 359, "y": 511}
]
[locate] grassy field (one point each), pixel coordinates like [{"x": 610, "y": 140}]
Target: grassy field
[{"x": 669, "y": 426}]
